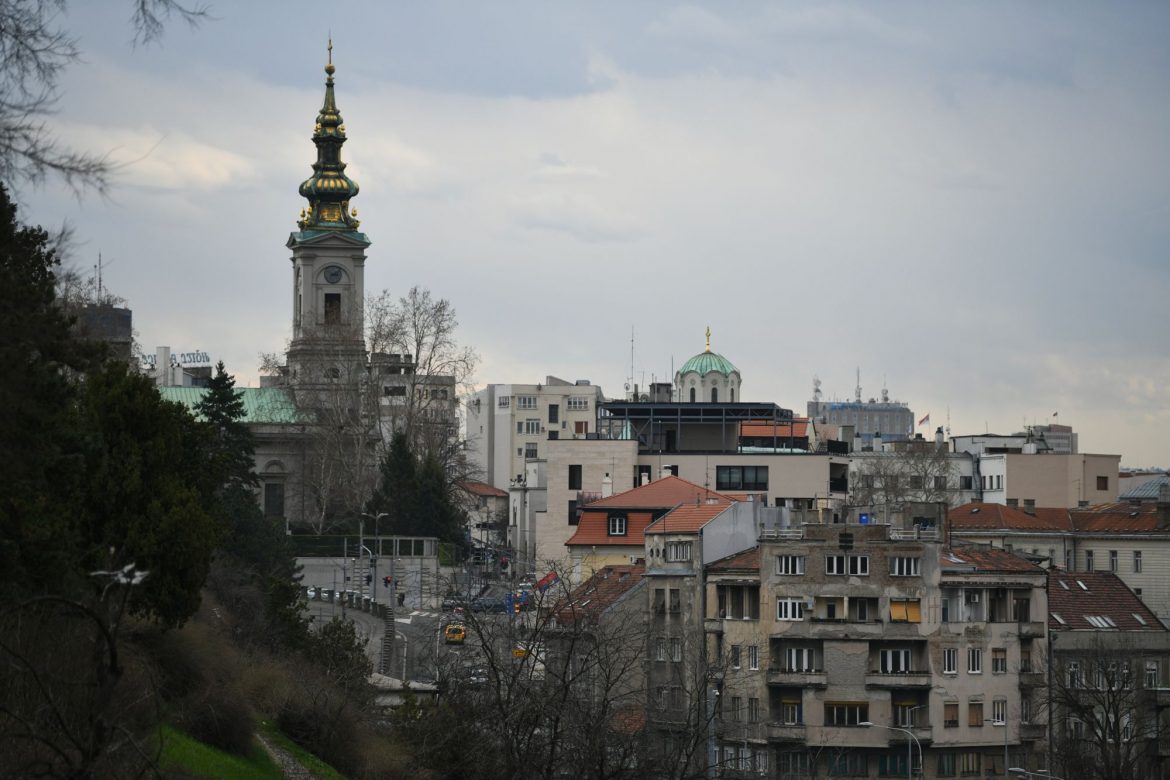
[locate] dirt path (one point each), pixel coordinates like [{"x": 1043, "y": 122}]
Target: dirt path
[{"x": 289, "y": 766}]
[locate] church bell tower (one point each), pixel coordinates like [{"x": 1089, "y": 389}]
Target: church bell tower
[{"x": 328, "y": 263}]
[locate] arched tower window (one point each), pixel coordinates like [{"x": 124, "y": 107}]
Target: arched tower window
[
  {"x": 733, "y": 395},
  {"x": 692, "y": 395},
  {"x": 714, "y": 395}
]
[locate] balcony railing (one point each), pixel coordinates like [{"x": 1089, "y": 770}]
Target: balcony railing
[
  {"x": 914, "y": 534},
  {"x": 1033, "y": 731},
  {"x": 908, "y": 679},
  {"x": 1032, "y": 629},
  {"x": 809, "y": 677},
  {"x": 782, "y": 533},
  {"x": 787, "y": 732}
]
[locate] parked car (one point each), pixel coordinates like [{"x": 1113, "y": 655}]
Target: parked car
[
  {"x": 455, "y": 634},
  {"x": 452, "y": 600}
]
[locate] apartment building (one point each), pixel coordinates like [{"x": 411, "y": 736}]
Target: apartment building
[{"x": 872, "y": 651}]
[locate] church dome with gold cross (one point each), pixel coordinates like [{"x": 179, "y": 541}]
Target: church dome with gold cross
[{"x": 708, "y": 377}]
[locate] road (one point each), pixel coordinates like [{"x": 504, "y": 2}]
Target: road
[{"x": 416, "y": 633}]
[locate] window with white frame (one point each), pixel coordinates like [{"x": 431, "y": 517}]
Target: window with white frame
[
  {"x": 851, "y": 565},
  {"x": 790, "y": 609},
  {"x": 800, "y": 659},
  {"x": 999, "y": 710},
  {"x": 904, "y": 566},
  {"x": 1073, "y": 670},
  {"x": 1113, "y": 561},
  {"x": 675, "y": 649},
  {"x": 753, "y": 710},
  {"x": 999, "y": 660},
  {"x": 678, "y": 551},
  {"x": 504, "y": 401},
  {"x": 617, "y": 525},
  {"x": 789, "y": 565},
  {"x": 578, "y": 403},
  {"x": 1137, "y": 561},
  {"x": 951, "y": 660},
  {"x": 1152, "y": 674},
  {"x": 531, "y": 427},
  {"x": 753, "y": 657},
  {"x": 735, "y": 656},
  {"x": 791, "y": 712},
  {"x": 846, "y": 713},
  {"x": 525, "y": 402},
  {"x": 974, "y": 660},
  {"x": 894, "y": 661},
  {"x": 660, "y": 649},
  {"x": 530, "y": 451}
]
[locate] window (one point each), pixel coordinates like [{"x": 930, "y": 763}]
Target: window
[
  {"x": 790, "y": 609},
  {"x": 735, "y": 653},
  {"x": 678, "y": 551},
  {"x": 581, "y": 428},
  {"x": 964, "y": 483},
  {"x": 950, "y": 605},
  {"x": 1137, "y": 561},
  {"x": 1076, "y": 728},
  {"x": 660, "y": 692},
  {"x": 574, "y": 518},
  {"x": 946, "y": 765},
  {"x": 753, "y": 657},
  {"x": 394, "y": 390},
  {"x": 760, "y": 758},
  {"x": 895, "y": 661},
  {"x": 675, "y": 601},
  {"x": 736, "y": 708},
  {"x": 904, "y": 567},
  {"x": 1025, "y": 660},
  {"x": 848, "y": 764},
  {"x": 504, "y": 401},
  {"x": 999, "y": 660},
  {"x": 789, "y": 564},
  {"x": 578, "y": 403},
  {"x": 675, "y": 649},
  {"x": 791, "y": 712},
  {"x": 940, "y": 483},
  {"x": 739, "y": 602},
  {"x": 575, "y": 477},
  {"x": 851, "y": 565},
  {"x": 893, "y": 764},
  {"x": 617, "y": 525},
  {"x": 660, "y": 649},
  {"x": 676, "y": 697},
  {"x": 1029, "y": 503},
  {"x": 975, "y": 714},
  {"x": 659, "y": 601},
  {"x": 904, "y": 713},
  {"x": 905, "y": 611},
  {"x": 1088, "y": 560},
  {"x": 950, "y": 714},
  {"x": 969, "y": 764},
  {"x": 525, "y": 402},
  {"x": 846, "y": 713},
  {"x": 274, "y": 499},
  {"x": 916, "y": 482},
  {"x": 1113, "y": 561},
  {"x": 1074, "y": 674},
  {"x": 1102, "y": 483},
  {"x": 741, "y": 477},
  {"x": 1025, "y": 710},
  {"x": 531, "y": 427},
  {"x": 692, "y": 395},
  {"x": 861, "y": 607},
  {"x": 714, "y": 395},
  {"x": 332, "y": 308},
  {"x": 974, "y": 660},
  {"x": 554, "y": 413},
  {"x": 951, "y": 660},
  {"x": 800, "y": 659},
  {"x": 1151, "y": 674},
  {"x": 753, "y": 710},
  {"x": 999, "y": 710},
  {"x": 530, "y": 451}
]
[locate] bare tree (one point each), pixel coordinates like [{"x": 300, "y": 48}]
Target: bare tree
[
  {"x": 923, "y": 474},
  {"x": 34, "y": 52},
  {"x": 1105, "y": 722}
]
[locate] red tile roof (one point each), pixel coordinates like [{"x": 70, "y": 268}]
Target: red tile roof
[
  {"x": 482, "y": 489},
  {"x": 593, "y": 529},
  {"x": 688, "y": 518},
  {"x": 985, "y": 560},
  {"x": 660, "y": 494},
  {"x": 598, "y": 593},
  {"x": 1121, "y": 518},
  {"x": 1096, "y": 601},
  {"x": 748, "y": 560},
  {"x": 980, "y": 516}
]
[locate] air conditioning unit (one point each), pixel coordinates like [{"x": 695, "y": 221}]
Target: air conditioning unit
[
  {"x": 810, "y": 602},
  {"x": 633, "y": 560},
  {"x": 973, "y": 596}
]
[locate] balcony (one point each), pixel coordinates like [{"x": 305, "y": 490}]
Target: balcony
[
  {"x": 1160, "y": 696},
  {"x": 914, "y": 535},
  {"x": 1032, "y": 679},
  {"x": 898, "y": 680},
  {"x": 1032, "y": 732},
  {"x": 922, "y": 733},
  {"x": 787, "y": 732},
  {"x": 788, "y": 534},
  {"x": 713, "y": 625},
  {"x": 840, "y": 485},
  {"x": 1032, "y": 629},
  {"x": 740, "y": 732},
  {"x": 803, "y": 677}
]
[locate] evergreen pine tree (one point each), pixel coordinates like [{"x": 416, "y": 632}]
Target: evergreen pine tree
[{"x": 222, "y": 407}]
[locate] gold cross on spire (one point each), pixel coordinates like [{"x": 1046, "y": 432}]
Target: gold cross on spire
[
  {"x": 330, "y": 47},
  {"x": 708, "y": 338}
]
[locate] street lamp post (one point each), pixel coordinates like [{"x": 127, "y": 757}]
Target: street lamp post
[
  {"x": 373, "y": 556},
  {"x": 997, "y": 724},
  {"x": 909, "y": 747}
]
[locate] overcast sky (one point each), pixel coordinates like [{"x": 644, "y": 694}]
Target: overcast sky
[{"x": 967, "y": 201}]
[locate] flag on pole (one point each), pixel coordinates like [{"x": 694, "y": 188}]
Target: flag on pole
[
  {"x": 547, "y": 581},
  {"x": 925, "y": 420}
]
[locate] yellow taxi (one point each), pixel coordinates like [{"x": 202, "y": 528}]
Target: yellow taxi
[{"x": 454, "y": 634}]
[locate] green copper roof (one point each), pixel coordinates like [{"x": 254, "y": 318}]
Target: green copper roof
[
  {"x": 706, "y": 362},
  {"x": 329, "y": 190},
  {"x": 262, "y": 405}
]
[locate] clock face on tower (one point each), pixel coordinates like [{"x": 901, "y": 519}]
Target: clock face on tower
[{"x": 333, "y": 274}]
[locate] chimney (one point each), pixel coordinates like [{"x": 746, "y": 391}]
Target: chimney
[
  {"x": 607, "y": 486},
  {"x": 645, "y": 478},
  {"x": 857, "y": 441},
  {"x": 665, "y": 472},
  {"x": 877, "y": 441},
  {"x": 162, "y": 366},
  {"x": 938, "y": 438}
]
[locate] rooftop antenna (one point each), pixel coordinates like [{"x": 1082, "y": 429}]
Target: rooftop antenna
[
  {"x": 631, "y": 382},
  {"x": 857, "y": 390},
  {"x": 816, "y": 389},
  {"x": 948, "y": 421}
]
